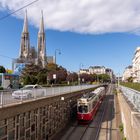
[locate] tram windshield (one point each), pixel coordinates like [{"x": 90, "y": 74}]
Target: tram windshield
[{"x": 83, "y": 109}]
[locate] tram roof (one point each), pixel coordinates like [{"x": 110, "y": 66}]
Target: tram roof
[{"x": 93, "y": 93}]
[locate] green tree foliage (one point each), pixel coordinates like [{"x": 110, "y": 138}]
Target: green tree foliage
[
  {"x": 34, "y": 74},
  {"x": 130, "y": 79},
  {"x": 42, "y": 76},
  {"x": 29, "y": 74},
  {"x": 94, "y": 77},
  {"x": 2, "y": 69},
  {"x": 104, "y": 78}
]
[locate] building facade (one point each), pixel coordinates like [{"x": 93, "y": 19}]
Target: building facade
[
  {"x": 136, "y": 66},
  {"x": 28, "y": 54},
  {"x": 128, "y": 72},
  {"x": 84, "y": 71},
  {"x": 97, "y": 70},
  {"x": 134, "y": 70}
]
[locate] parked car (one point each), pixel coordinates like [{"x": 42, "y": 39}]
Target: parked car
[{"x": 28, "y": 91}]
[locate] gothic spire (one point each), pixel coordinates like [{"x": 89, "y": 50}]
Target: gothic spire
[
  {"x": 42, "y": 43},
  {"x": 41, "y": 30},
  {"x": 25, "y": 40},
  {"x": 25, "y": 26}
]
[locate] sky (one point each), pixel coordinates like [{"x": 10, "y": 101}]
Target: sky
[{"x": 87, "y": 32}]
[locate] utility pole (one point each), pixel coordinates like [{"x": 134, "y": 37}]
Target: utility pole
[
  {"x": 118, "y": 79},
  {"x": 59, "y": 52},
  {"x": 79, "y": 79}
]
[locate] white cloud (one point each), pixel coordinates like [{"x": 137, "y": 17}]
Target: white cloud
[{"x": 83, "y": 16}]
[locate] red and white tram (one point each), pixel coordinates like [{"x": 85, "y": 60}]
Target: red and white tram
[{"x": 88, "y": 104}]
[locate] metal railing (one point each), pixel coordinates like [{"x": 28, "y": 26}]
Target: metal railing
[
  {"x": 6, "y": 97},
  {"x": 132, "y": 95}
]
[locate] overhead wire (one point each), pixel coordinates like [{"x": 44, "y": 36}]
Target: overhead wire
[
  {"x": 4, "y": 17},
  {"x": 6, "y": 56}
]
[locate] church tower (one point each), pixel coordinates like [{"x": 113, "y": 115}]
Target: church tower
[
  {"x": 41, "y": 44},
  {"x": 25, "y": 41}
]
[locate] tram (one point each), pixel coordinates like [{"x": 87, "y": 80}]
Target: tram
[{"x": 88, "y": 104}]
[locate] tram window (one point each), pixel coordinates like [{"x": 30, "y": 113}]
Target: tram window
[{"x": 83, "y": 109}]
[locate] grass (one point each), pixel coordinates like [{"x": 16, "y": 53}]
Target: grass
[
  {"x": 115, "y": 91},
  {"x": 122, "y": 131},
  {"x": 135, "y": 86}
]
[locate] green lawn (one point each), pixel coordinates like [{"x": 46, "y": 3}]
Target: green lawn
[{"x": 135, "y": 86}]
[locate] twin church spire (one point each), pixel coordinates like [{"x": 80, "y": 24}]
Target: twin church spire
[
  {"x": 41, "y": 43},
  {"x": 25, "y": 52}
]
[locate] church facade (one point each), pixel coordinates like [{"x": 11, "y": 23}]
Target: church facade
[{"x": 28, "y": 54}]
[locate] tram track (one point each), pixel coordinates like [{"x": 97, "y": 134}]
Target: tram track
[
  {"x": 108, "y": 112},
  {"x": 92, "y": 130}
]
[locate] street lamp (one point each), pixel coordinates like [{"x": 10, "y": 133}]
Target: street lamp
[
  {"x": 117, "y": 79},
  {"x": 59, "y": 52},
  {"x": 80, "y": 66}
]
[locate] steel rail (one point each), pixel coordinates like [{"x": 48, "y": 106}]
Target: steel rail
[{"x": 103, "y": 114}]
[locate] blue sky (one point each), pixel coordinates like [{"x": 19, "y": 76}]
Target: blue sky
[{"x": 113, "y": 49}]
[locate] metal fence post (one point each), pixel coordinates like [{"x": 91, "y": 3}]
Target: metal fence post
[
  {"x": 59, "y": 90},
  {"x": 1, "y": 99},
  {"x": 22, "y": 96}
]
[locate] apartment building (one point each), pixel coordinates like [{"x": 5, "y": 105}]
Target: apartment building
[
  {"x": 136, "y": 66},
  {"x": 97, "y": 70},
  {"x": 128, "y": 72}
]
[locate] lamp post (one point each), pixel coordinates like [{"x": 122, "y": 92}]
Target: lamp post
[
  {"x": 80, "y": 66},
  {"x": 118, "y": 79},
  {"x": 59, "y": 52}
]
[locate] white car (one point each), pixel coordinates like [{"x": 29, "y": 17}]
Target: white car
[{"x": 28, "y": 91}]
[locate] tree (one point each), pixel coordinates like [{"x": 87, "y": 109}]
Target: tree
[
  {"x": 104, "y": 78},
  {"x": 59, "y": 71},
  {"x": 94, "y": 77},
  {"x": 130, "y": 79},
  {"x": 29, "y": 74},
  {"x": 72, "y": 77},
  {"x": 2, "y": 69},
  {"x": 42, "y": 76},
  {"x": 9, "y": 71},
  {"x": 52, "y": 67},
  {"x": 33, "y": 74},
  {"x": 85, "y": 78}
]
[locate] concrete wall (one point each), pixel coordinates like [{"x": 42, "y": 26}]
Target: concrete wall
[
  {"x": 130, "y": 118},
  {"x": 39, "y": 119}
]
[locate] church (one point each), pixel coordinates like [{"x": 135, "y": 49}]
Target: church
[{"x": 28, "y": 54}]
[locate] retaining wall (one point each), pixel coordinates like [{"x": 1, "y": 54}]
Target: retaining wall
[
  {"x": 39, "y": 119},
  {"x": 130, "y": 118}
]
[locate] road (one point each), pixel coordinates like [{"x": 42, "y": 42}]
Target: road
[{"x": 6, "y": 96}]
